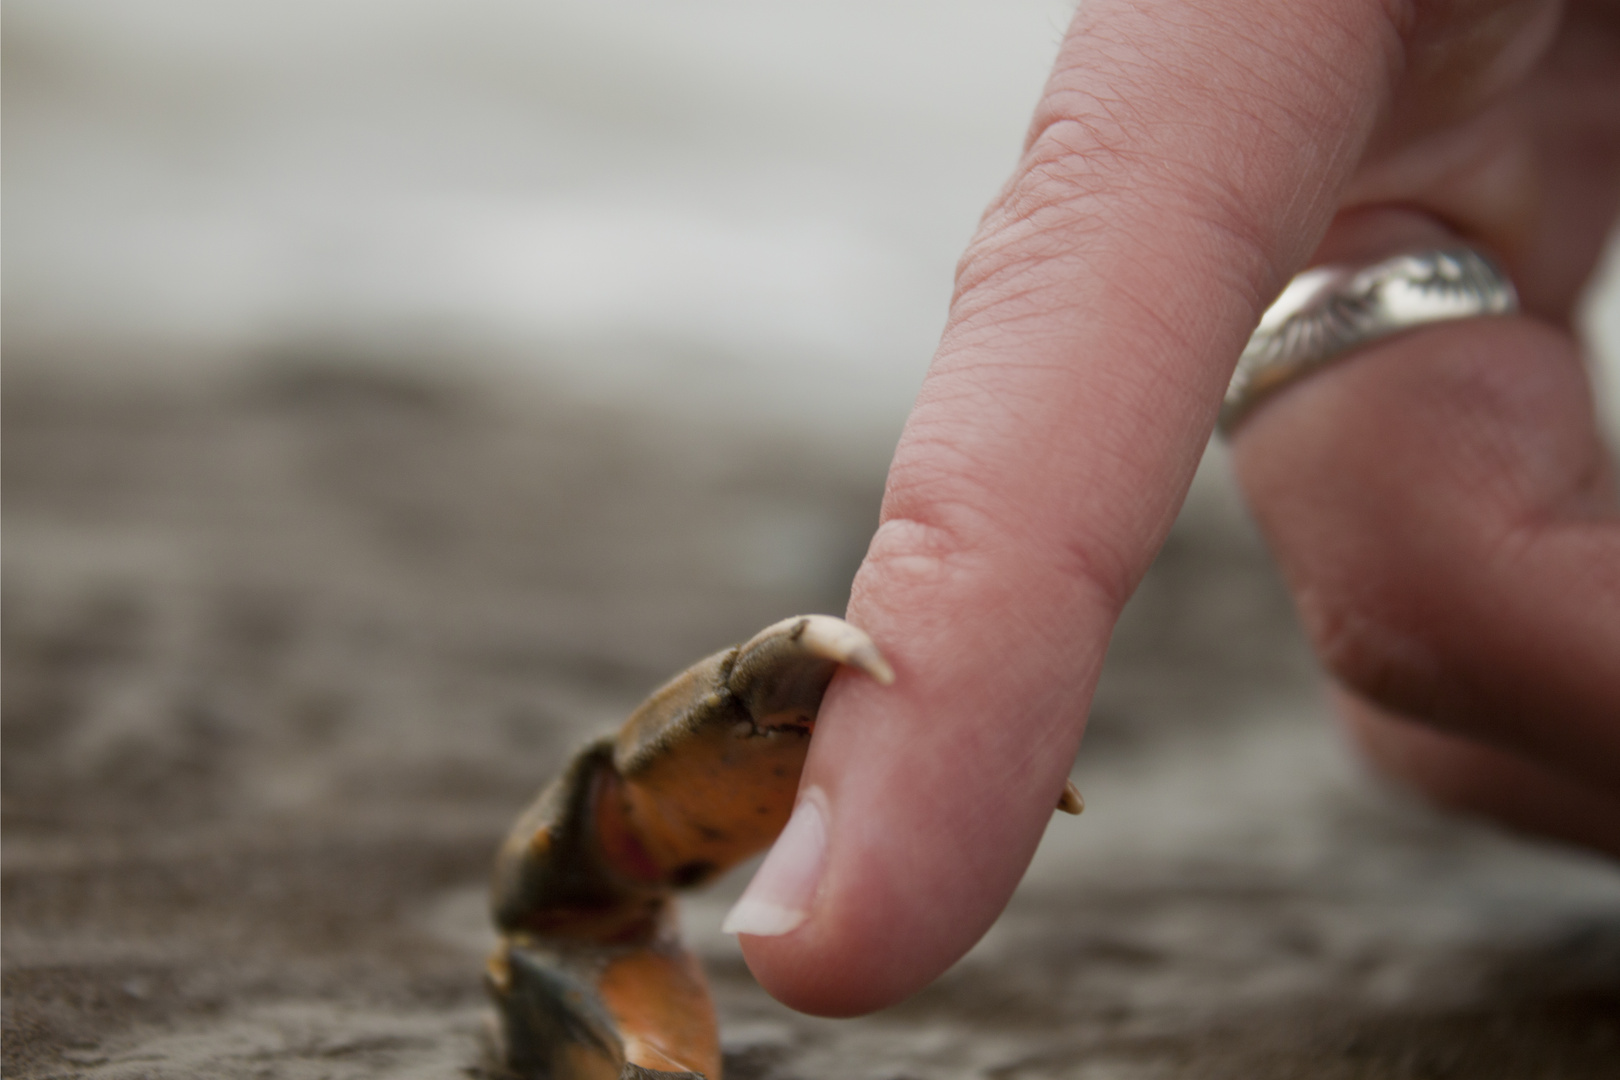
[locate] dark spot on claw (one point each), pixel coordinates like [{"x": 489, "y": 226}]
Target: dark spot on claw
[
  {"x": 691, "y": 873},
  {"x": 779, "y": 772},
  {"x": 762, "y": 810},
  {"x": 711, "y": 833}
]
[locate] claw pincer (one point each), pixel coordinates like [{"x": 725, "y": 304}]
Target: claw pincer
[{"x": 590, "y": 978}]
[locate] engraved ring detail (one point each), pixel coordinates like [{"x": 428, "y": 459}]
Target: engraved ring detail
[{"x": 1328, "y": 311}]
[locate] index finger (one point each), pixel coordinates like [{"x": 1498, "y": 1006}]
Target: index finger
[{"x": 1184, "y": 159}]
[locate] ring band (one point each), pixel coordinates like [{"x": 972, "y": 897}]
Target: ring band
[{"x": 1327, "y": 311}]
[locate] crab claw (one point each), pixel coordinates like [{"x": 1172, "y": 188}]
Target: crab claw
[
  {"x": 589, "y": 978},
  {"x": 711, "y": 762}
]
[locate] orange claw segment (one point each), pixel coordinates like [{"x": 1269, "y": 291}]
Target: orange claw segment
[
  {"x": 726, "y": 797},
  {"x": 712, "y": 760},
  {"x": 661, "y": 1002},
  {"x": 618, "y": 834}
]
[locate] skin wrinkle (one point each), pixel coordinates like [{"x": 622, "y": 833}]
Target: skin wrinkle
[
  {"x": 1345, "y": 144},
  {"x": 1012, "y": 323},
  {"x": 1061, "y": 89},
  {"x": 960, "y": 539},
  {"x": 1116, "y": 392},
  {"x": 1008, "y": 304},
  {"x": 1107, "y": 390},
  {"x": 1056, "y": 181},
  {"x": 994, "y": 290},
  {"x": 1000, "y": 411},
  {"x": 1082, "y": 553},
  {"x": 1050, "y": 186},
  {"x": 1105, "y": 575},
  {"x": 1124, "y": 389},
  {"x": 962, "y": 506},
  {"x": 1250, "y": 56},
  {"x": 1000, "y": 273},
  {"x": 1167, "y": 141},
  {"x": 907, "y": 553},
  {"x": 979, "y": 292},
  {"x": 1047, "y": 203},
  {"x": 996, "y": 254},
  {"x": 933, "y": 496},
  {"x": 1226, "y": 212},
  {"x": 1020, "y": 330},
  {"x": 1110, "y": 121},
  {"x": 987, "y": 386},
  {"x": 975, "y": 520}
]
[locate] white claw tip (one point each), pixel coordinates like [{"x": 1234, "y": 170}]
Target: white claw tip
[
  {"x": 869, "y": 660},
  {"x": 1070, "y": 802},
  {"x": 831, "y": 638}
]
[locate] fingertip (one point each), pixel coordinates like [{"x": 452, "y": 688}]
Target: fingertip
[
  {"x": 934, "y": 802},
  {"x": 796, "y": 972}
]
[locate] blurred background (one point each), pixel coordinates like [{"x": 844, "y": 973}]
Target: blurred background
[
  {"x": 397, "y": 391},
  {"x": 640, "y": 201}
]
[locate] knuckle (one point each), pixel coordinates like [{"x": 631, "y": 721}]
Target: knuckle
[{"x": 948, "y": 533}]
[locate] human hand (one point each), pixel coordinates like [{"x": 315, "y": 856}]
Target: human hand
[{"x": 1441, "y": 502}]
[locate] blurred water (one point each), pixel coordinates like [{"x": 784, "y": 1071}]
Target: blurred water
[{"x": 712, "y": 201}]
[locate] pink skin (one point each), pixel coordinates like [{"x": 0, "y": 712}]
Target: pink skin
[{"x": 1461, "y": 569}]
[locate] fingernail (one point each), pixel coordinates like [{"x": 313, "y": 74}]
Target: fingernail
[{"x": 778, "y": 900}]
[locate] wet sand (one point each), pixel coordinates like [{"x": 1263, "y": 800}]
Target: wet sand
[{"x": 286, "y": 651}]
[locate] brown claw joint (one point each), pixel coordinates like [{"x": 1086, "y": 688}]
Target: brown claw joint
[{"x": 590, "y": 979}]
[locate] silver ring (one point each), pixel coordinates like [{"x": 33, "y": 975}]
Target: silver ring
[{"x": 1327, "y": 311}]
